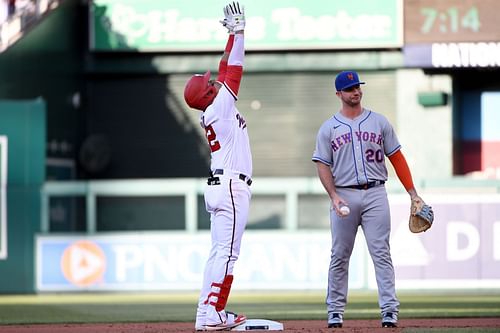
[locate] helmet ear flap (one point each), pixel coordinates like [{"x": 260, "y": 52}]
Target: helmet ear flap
[
  {"x": 207, "y": 98},
  {"x": 211, "y": 91}
]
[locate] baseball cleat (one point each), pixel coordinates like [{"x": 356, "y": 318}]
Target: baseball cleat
[
  {"x": 390, "y": 319},
  {"x": 335, "y": 320},
  {"x": 232, "y": 321}
]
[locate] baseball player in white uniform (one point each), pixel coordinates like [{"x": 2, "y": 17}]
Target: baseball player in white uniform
[
  {"x": 350, "y": 156},
  {"x": 227, "y": 197}
]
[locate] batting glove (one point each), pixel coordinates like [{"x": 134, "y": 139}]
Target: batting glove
[
  {"x": 227, "y": 19},
  {"x": 236, "y": 16}
]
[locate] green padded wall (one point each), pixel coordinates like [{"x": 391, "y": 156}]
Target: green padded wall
[{"x": 23, "y": 123}]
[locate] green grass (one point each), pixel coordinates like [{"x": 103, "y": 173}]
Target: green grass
[{"x": 110, "y": 307}]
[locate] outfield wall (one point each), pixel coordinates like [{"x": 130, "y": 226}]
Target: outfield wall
[{"x": 460, "y": 251}]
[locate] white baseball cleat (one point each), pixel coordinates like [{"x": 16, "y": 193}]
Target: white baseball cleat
[
  {"x": 335, "y": 320},
  {"x": 390, "y": 319},
  {"x": 199, "y": 324},
  {"x": 232, "y": 320}
]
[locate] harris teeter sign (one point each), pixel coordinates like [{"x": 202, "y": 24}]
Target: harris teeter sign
[{"x": 191, "y": 25}]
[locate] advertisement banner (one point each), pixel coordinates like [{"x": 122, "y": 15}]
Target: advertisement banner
[
  {"x": 189, "y": 25},
  {"x": 460, "y": 251},
  {"x": 175, "y": 261},
  {"x": 452, "y": 55}
]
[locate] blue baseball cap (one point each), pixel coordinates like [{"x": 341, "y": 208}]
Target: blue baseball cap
[{"x": 346, "y": 79}]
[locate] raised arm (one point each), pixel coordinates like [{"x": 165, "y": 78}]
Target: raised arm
[
  {"x": 235, "y": 48},
  {"x": 225, "y": 56}
]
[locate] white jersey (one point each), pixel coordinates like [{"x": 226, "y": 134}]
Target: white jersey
[
  {"x": 355, "y": 149},
  {"x": 227, "y": 134}
]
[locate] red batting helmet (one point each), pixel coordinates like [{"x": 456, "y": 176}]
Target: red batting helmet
[{"x": 195, "y": 92}]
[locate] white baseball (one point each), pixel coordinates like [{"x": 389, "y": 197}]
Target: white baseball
[{"x": 344, "y": 210}]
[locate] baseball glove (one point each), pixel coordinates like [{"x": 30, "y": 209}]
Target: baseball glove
[{"x": 421, "y": 215}]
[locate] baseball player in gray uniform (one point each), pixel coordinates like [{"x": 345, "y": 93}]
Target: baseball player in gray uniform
[
  {"x": 227, "y": 197},
  {"x": 350, "y": 156}
]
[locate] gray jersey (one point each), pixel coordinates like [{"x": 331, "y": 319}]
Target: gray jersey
[{"x": 355, "y": 149}]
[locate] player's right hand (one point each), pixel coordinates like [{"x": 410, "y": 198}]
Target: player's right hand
[
  {"x": 336, "y": 203},
  {"x": 227, "y": 19}
]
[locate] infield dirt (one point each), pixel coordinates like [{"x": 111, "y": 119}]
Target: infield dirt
[{"x": 354, "y": 326}]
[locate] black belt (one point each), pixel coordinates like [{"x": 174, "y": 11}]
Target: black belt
[
  {"x": 364, "y": 186},
  {"x": 216, "y": 181}
]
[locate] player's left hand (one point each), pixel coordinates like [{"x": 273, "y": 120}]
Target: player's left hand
[
  {"x": 235, "y": 18},
  {"x": 421, "y": 215}
]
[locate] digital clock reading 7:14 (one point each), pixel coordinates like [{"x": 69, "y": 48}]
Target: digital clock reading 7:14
[{"x": 450, "y": 20}]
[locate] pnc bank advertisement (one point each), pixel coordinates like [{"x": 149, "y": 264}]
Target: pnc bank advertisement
[
  {"x": 175, "y": 261},
  {"x": 461, "y": 250}
]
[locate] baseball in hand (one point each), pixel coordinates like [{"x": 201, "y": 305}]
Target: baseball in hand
[{"x": 344, "y": 210}]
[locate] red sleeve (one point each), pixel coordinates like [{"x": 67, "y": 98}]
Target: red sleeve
[
  {"x": 402, "y": 169},
  {"x": 233, "y": 78},
  {"x": 223, "y": 62},
  {"x": 222, "y": 70}
]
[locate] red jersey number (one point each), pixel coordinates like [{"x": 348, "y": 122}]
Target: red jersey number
[{"x": 212, "y": 138}]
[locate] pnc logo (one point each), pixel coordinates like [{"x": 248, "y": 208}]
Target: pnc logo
[{"x": 83, "y": 263}]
